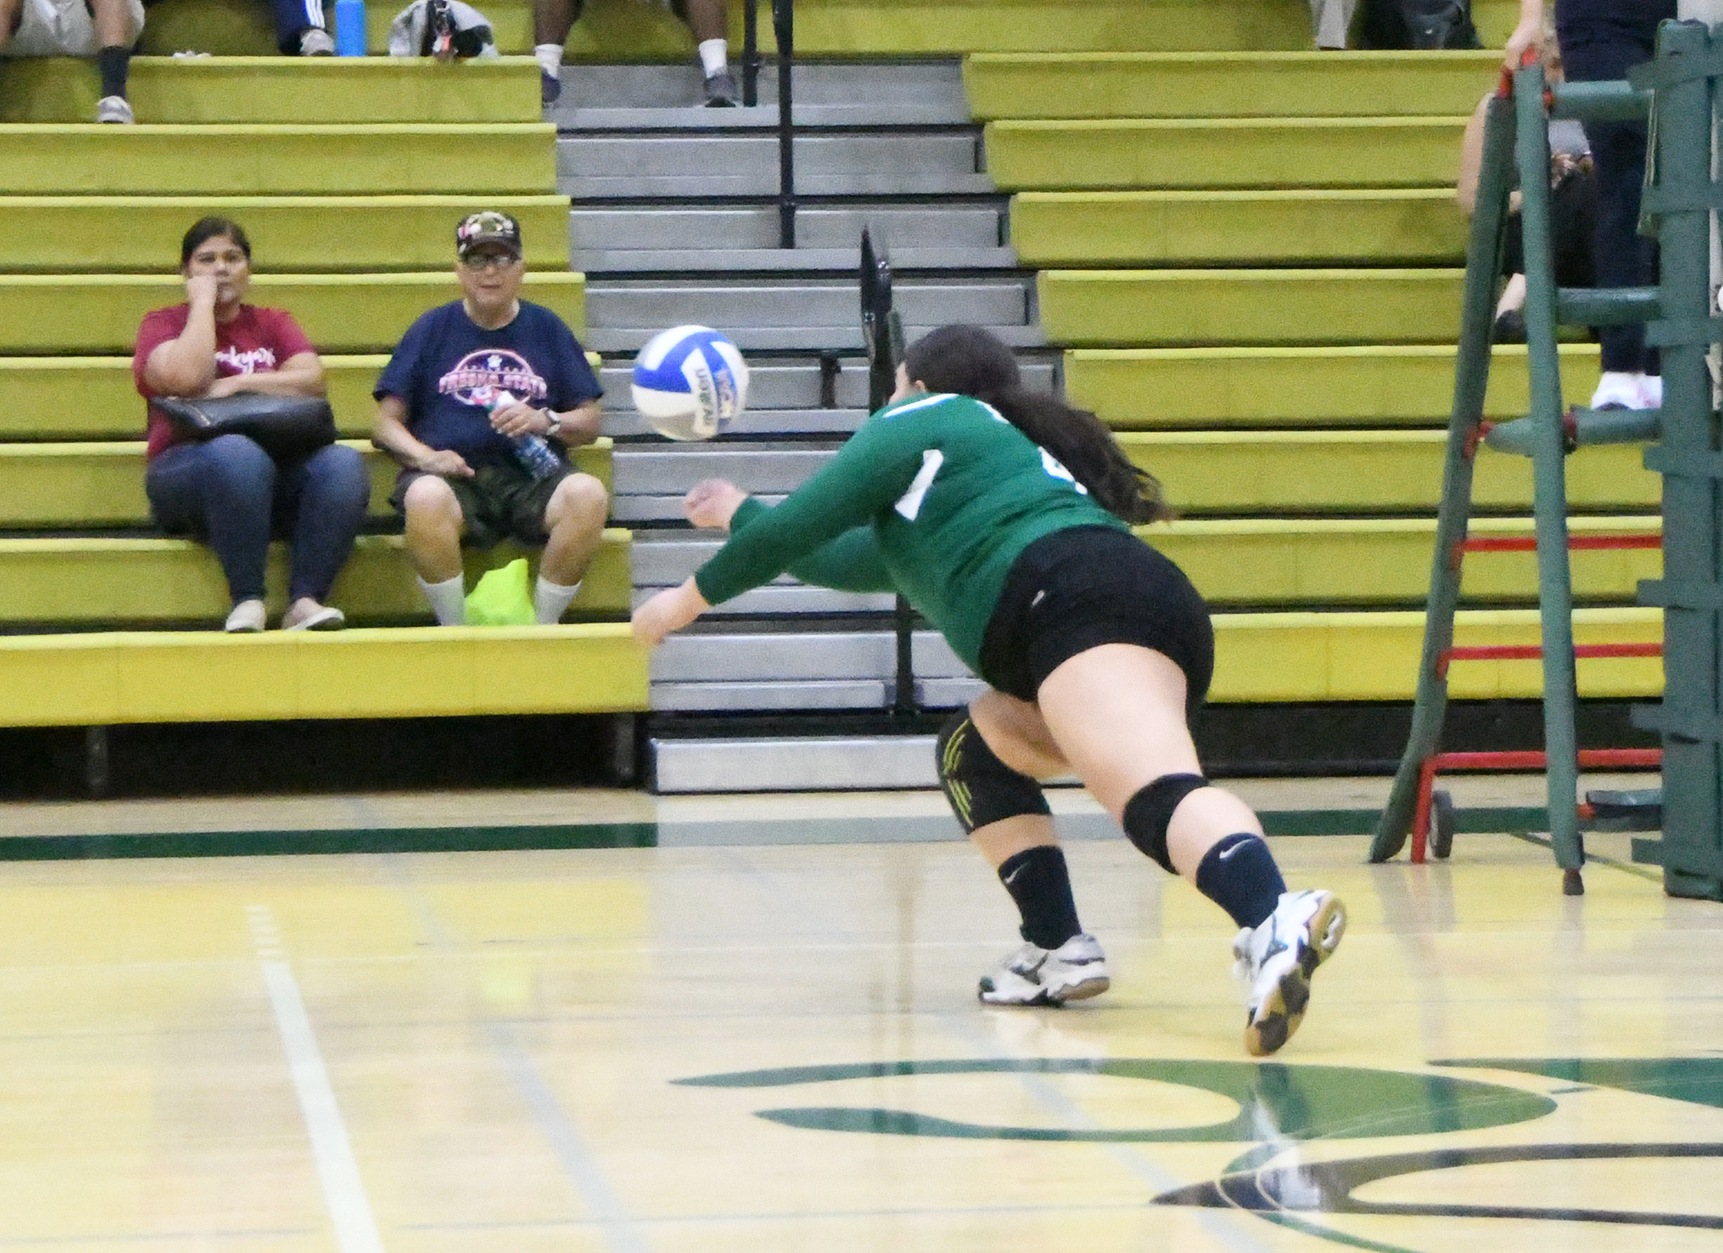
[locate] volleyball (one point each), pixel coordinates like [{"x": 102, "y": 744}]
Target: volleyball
[{"x": 690, "y": 382}]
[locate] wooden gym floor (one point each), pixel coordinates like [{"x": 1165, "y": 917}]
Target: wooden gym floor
[{"x": 759, "y": 1033}]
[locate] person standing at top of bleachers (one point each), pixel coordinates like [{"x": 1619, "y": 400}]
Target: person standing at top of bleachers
[
  {"x": 228, "y": 491},
  {"x": 1600, "y": 41},
  {"x": 708, "y": 19},
  {"x": 103, "y": 29},
  {"x": 479, "y": 403}
]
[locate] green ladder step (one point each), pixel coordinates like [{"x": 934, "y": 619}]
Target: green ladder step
[
  {"x": 1365, "y": 472},
  {"x": 97, "y": 485},
  {"x": 87, "y": 314},
  {"x": 83, "y": 398},
  {"x": 109, "y": 678},
  {"x": 1401, "y": 227},
  {"x": 95, "y": 581},
  {"x": 1227, "y": 84},
  {"x": 1305, "y": 657},
  {"x": 141, "y": 234},
  {"x": 256, "y": 160},
  {"x": 1104, "y": 308},
  {"x": 1332, "y": 562},
  {"x": 1266, "y": 153},
  {"x": 1162, "y": 388},
  {"x": 280, "y": 90}
]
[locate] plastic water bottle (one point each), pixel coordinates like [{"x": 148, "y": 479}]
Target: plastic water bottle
[
  {"x": 534, "y": 452},
  {"x": 350, "y": 39}
]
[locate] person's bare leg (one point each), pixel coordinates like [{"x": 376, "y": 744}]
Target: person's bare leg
[
  {"x": 551, "y": 21},
  {"x": 433, "y": 529},
  {"x": 574, "y": 520},
  {"x": 1117, "y": 713},
  {"x": 707, "y": 19}
]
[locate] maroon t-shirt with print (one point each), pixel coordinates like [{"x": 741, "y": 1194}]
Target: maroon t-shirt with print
[{"x": 258, "y": 339}]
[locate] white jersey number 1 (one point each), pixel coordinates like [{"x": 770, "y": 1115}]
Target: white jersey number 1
[{"x": 909, "y": 504}]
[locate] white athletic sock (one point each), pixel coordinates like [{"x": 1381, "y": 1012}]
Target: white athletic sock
[
  {"x": 714, "y": 56},
  {"x": 549, "y": 59},
  {"x": 448, "y": 600},
  {"x": 550, "y": 601}
]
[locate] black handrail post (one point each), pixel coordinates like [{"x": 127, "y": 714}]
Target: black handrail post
[
  {"x": 882, "y": 334},
  {"x": 784, "y": 27},
  {"x": 751, "y": 53}
]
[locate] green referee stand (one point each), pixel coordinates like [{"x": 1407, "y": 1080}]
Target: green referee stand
[{"x": 1679, "y": 316}]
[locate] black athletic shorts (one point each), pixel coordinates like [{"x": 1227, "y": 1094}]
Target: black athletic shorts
[
  {"x": 1086, "y": 586},
  {"x": 499, "y": 502}
]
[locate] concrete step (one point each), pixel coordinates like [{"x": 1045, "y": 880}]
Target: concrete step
[
  {"x": 801, "y": 763},
  {"x": 635, "y": 166},
  {"x": 784, "y": 383},
  {"x": 626, "y": 424},
  {"x": 630, "y": 339},
  {"x": 612, "y": 304},
  {"x": 596, "y": 230},
  {"x": 763, "y": 469},
  {"x": 925, "y": 84},
  {"x": 768, "y": 261}
]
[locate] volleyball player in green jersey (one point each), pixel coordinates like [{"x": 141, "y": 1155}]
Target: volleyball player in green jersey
[{"x": 1003, "y": 517}]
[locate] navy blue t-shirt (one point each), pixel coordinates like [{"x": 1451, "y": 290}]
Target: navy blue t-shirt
[{"x": 448, "y": 371}]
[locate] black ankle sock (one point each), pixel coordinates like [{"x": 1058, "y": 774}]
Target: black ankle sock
[
  {"x": 113, "y": 62},
  {"x": 1041, "y": 886},
  {"x": 1240, "y": 876}
]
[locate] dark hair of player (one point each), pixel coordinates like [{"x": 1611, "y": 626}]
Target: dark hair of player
[
  {"x": 205, "y": 229},
  {"x": 971, "y": 361}
]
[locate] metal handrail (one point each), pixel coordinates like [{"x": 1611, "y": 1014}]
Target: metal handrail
[
  {"x": 784, "y": 31},
  {"x": 882, "y": 334}
]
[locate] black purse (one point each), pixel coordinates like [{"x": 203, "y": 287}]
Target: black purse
[
  {"x": 1419, "y": 24},
  {"x": 285, "y": 426}
]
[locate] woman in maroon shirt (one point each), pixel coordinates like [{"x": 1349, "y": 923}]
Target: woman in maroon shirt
[{"x": 228, "y": 491}]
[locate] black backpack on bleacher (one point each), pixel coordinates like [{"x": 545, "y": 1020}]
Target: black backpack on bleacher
[{"x": 1419, "y": 24}]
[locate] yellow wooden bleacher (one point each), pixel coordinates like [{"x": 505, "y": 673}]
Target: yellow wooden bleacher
[{"x": 344, "y": 174}]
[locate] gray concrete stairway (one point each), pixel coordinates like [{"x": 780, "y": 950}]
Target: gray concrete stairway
[{"x": 673, "y": 220}]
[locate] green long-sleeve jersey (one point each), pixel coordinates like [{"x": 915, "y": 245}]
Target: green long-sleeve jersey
[{"x": 933, "y": 497}]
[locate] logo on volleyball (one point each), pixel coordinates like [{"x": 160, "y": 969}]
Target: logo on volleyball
[{"x": 480, "y": 377}]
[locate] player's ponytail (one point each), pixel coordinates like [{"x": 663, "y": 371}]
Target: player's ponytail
[{"x": 973, "y": 362}]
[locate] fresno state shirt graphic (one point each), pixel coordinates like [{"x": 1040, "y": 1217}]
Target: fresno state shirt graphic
[{"x": 479, "y": 378}]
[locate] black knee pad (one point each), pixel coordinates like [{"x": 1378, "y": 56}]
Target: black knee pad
[
  {"x": 1150, "y": 811},
  {"x": 981, "y": 788}
]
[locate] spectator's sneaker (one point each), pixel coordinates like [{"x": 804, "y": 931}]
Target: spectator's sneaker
[
  {"x": 1651, "y": 391},
  {"x": 1274, "y": 961},
  {"x": 549, "y": 88},
  {"x": 247, "y": 618},
  {"x": 1510, "y": 327},
  {"x": 309, "y": 615},
  {"x": 316, "y": 43},
  {"x": 114, "y": 109},
  {"x": 1074, "y": 971},
  {"x": 1618, "y": 389},
  {"x": 721, "y": 90}
]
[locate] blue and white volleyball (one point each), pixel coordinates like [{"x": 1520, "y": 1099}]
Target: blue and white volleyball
[{"x": 690, "y": 383}]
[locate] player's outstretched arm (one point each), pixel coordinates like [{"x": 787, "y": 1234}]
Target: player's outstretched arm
[{"x": 669, "y": 610}]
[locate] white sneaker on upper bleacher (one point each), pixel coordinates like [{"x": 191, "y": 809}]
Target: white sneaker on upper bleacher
[
  {"x": 1651, "y": 391},
  {"x": 1033, "y": 975},
  {"x": 114, "y": 109},
  {"x": 1618, "y": 389},
  {"x": 1275, "y": 960},
  {"x": 316, "y": 43}
]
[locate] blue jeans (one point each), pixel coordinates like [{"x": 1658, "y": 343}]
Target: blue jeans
[{"x": 229, "y": 493}]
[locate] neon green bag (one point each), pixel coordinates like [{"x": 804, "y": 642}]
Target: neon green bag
[{"x": 502, "y": 597}]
